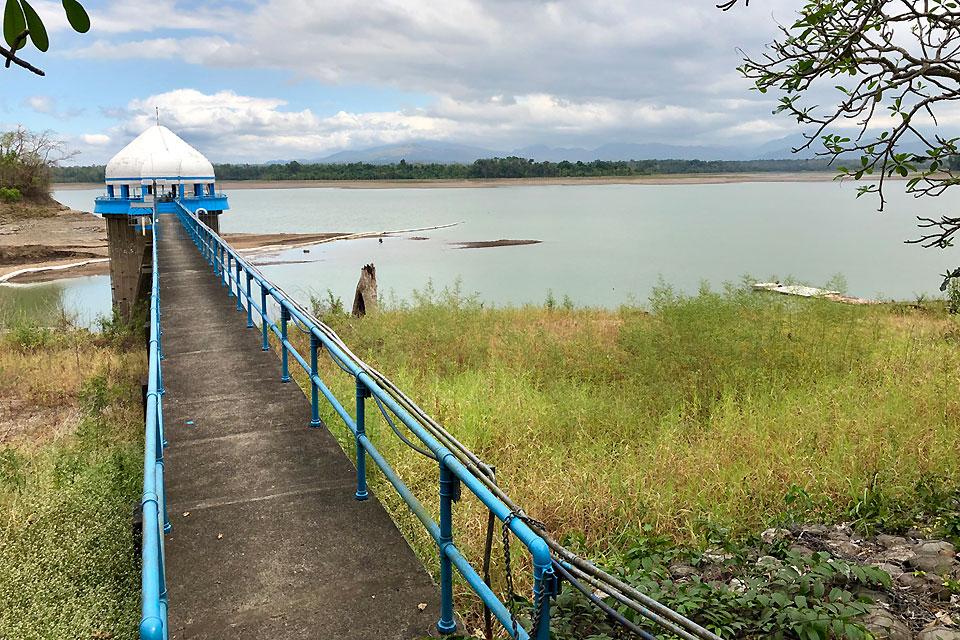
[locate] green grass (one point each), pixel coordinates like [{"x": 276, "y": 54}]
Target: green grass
[
  {"x": 69, "y": 480},
  {"x": 697, "y": 412}
]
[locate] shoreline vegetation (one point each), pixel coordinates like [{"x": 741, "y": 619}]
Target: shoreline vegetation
[
  {"x": 511, "y": 167},
  {"x": 228, "y": 184}
]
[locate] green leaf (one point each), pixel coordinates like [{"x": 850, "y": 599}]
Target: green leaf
[
  {"x": 77, "y": 16},
  {"x": 38, "y": 33},
  {"x": 13, "y": 22}
]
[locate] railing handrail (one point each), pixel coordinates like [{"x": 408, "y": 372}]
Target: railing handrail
[
  {"x": 153, "y": 620},
  {"x": 228, "y": 265}
]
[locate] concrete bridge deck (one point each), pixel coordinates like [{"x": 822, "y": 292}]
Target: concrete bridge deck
[{"x": 268, "y": 540}]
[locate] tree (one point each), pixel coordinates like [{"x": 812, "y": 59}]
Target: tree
[
  {"x": 886, "y": 68},
  {"x": 27, "y": 159},
  {"x": 21, "y": 22}
]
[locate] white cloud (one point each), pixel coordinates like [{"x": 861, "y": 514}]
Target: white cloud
[
  {"x": 230, "y": 126},
  {"x": 497, "y": 73},
  {"x": 40, "y": 104},
  {"x": 95, "y": 139}
]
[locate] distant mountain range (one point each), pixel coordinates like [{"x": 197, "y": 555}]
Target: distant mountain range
[
  {"x": 433, "y": 151},
  {"x": 425, "y": 151}
]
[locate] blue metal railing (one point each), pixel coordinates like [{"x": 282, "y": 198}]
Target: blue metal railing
[
  {"x": 153, "y": 620},
  {"x": 238, "y": 275}
]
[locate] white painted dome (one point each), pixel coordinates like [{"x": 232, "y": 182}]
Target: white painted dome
[{"x": 159, "y": 154}]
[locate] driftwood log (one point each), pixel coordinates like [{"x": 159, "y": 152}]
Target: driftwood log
[{"x": 365, "y": 301}]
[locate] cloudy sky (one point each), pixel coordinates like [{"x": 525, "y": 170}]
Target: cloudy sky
[{"x": 252, "y": 80}]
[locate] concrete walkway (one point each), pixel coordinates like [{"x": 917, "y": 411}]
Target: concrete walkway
[{"x": 268, "y": 541}]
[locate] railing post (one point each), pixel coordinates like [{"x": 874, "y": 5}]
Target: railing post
[
  {"x": 249, "y": 303},
  {"x": 228, "y": 273},
  {"x": 314, "y": 390},
  {"x": 239, "y": 294},
  {"x": 544, "y": 582},
  {"x": 284, "y": 357},
  {"x": 446, "y": 624},
  {"x": 264, "y": 324},
  {"x": 362, "y": 392},
  {"x": 215, "y": 259}
]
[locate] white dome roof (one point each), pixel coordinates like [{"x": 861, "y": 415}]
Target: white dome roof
[{"x": 159, "y": 153}]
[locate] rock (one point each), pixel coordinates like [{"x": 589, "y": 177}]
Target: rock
[
  {"x": 814, "y": 529},
  {"x": 889, "y": 541},
  {"x": 769, "y": 563},
  {"x": 886, "y": 626},
  {"x": 916, "y": 534},
  {"x": 717, "y": 555},
  {"x": 840, "y": 532},
  {"x": 892, "y": 570},
  {"x": 936, "y": 547},
  {"x": 939, "y": 633},
  {"x": 738, "y": 586},
  {"x": 934, "y": 557},
  {"x": 910, "y": 581},
  {"x": 930, "y": 585},
  {"x": 772, "y": 536},
  {"x": 800, "y": 549},
  {"x": 897, "y": 554},
  {"x": 679, "y": 570},
  {"x": 845, "y": 547},
  {"x": 940, "y": 565},
  {"x": 872, "y": 595}
]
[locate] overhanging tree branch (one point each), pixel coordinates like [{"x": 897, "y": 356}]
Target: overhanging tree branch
[{"x": 890, "y": 66}]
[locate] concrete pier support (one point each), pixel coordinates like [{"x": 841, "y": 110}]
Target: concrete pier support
[
  {"x": 212, "y": 220},
  {"x": 130, "y": 257}
]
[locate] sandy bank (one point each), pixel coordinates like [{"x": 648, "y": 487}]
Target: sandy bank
[{"x": 666, "y": 179}]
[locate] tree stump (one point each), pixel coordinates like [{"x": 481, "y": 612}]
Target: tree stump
[{"x": 365, "y": 301}]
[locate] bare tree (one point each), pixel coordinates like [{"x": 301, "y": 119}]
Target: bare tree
[
  {"x": 26, "y": 160},
  {"x": 886, "y": 68}
]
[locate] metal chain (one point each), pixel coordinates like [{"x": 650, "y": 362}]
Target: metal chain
[{"x": 542, "y": 594}]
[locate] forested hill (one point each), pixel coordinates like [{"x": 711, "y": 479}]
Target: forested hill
[{"x": 511, "y": 167}]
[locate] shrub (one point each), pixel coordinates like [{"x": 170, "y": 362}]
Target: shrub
[
  {"x": 10, "y": 195},
  {"x": 953, "y": 295}
]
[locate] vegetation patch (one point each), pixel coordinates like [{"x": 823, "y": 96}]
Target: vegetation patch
[
  {"x": 694, "y": 414},
  {"x": 68, "y": 487}
]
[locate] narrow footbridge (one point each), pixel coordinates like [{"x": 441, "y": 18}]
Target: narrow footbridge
[{"x": 256, "y": 524}]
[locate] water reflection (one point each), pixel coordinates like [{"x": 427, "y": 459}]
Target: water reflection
[{"x": 82, "y": 301}]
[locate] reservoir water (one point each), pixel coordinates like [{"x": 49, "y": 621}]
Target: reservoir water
[{"x": 601, "y": 245}]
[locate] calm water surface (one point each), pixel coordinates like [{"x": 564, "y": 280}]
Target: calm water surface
[{"x": 601, "y": 244}]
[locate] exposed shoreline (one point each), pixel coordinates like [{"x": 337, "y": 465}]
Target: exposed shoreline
[
  {"x": 41, "y": 242},
  {"x": 661, "y": 179}
]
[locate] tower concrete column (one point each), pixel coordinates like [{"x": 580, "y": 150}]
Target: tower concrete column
[
  {"x": 130, "y": 264},
  {"x": 212, "y": 220}
]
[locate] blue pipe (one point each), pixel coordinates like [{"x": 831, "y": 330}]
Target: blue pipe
[
  {"x": 446, "y": 624},
  {"x": 263, "y": 316},
  {"x": 360, "y": 435},
  {"x": 284, "y": 360},
  {"x": 314, "y": 391},
  {"x": 249, "y": 303}
]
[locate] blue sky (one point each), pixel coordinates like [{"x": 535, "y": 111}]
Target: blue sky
[{"x": 278, "y": 79}]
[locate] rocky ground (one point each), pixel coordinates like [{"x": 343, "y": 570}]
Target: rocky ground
[{"x": 922, "y": 601}]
